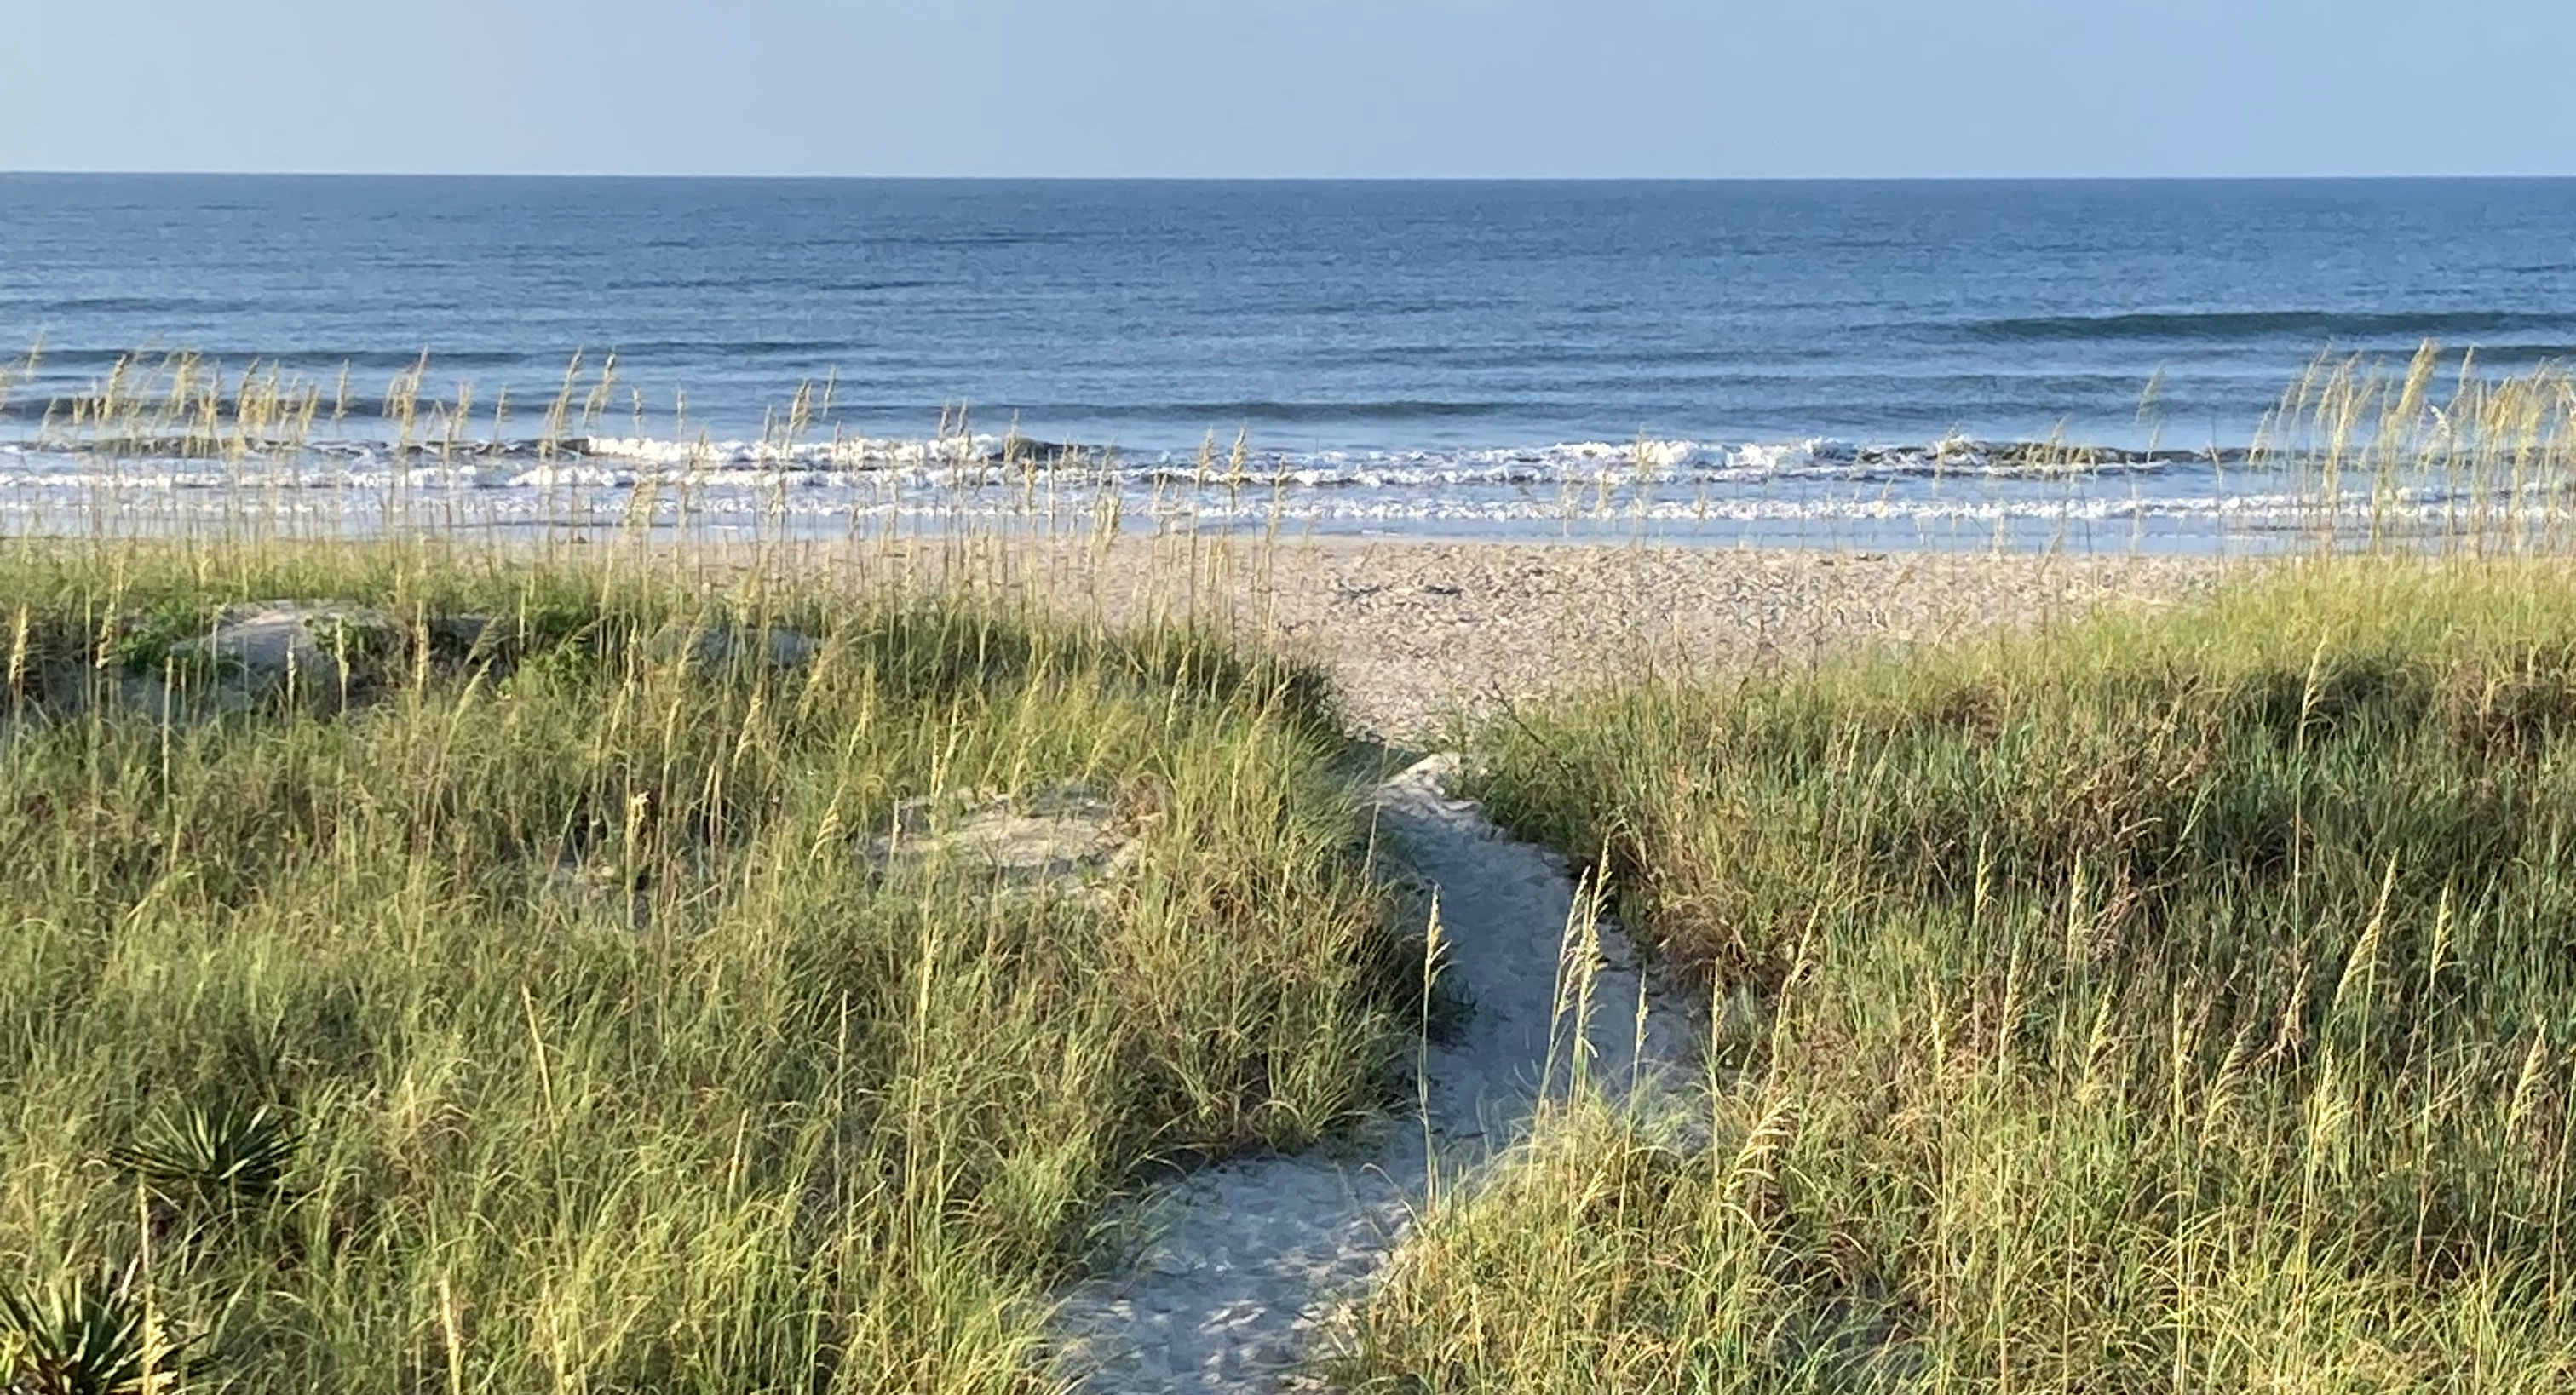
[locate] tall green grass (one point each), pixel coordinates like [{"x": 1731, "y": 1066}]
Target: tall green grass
[
  {"x": 596, "y": 1051},
  {"x": 2178, "y": 1003},
  {"x": 2155, "y": 1004}
]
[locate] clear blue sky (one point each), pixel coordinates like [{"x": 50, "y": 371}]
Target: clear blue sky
[{"x": 1294, "y": 87}]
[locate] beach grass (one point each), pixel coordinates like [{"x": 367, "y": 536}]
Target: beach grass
[
  {"x": 2178, "y": 1002},
  {"x": 571, "y": 977},
  {"x": 539, "y": 993}
]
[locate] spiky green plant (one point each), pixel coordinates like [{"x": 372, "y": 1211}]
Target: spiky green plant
[
  {"x": 213, "y": 1154},
  {"x": 86, "y": 1334}
]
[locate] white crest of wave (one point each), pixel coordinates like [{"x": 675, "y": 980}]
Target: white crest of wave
[{"x": 846, "y": 452}]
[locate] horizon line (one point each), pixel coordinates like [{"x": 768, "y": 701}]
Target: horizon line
[{"x": 820, "y": 178}]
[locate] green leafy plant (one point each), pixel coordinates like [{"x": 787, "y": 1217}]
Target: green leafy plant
[
  {"x": 86, "y": 1334},
  {"x": 145, "y": 640},
  {"x": 213, "y": 1154}
]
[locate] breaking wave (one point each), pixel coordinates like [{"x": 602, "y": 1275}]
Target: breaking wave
[{"x": 1957, "y": 489}]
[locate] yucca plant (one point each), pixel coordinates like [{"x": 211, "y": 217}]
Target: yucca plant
[
  {"x": 213, "y": 1154},
  {"x": 86, "y": 1335}
]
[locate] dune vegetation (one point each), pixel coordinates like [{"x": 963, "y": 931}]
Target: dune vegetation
[
  {"x": 435, "y": 960},
  {"x": 2180, "y": 1002},
  {"x": 561, "y": 978}
]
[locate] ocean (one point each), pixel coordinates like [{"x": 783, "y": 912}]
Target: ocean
[{"x": 1832, "y": 362}]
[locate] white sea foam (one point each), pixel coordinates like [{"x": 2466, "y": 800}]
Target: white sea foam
[
  {"x": 1676, "y": 486},
  {"x": 845, "y": 452}
]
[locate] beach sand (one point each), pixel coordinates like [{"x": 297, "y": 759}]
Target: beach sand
[{"x": 1414, "y": 632}]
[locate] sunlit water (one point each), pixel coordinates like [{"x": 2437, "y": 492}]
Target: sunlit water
[{"x": 2077, "y": 364}]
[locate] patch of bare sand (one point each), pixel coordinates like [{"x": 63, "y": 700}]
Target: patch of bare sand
[{"x": 1413, "y": 630}]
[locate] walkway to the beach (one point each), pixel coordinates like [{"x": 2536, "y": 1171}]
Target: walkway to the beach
[{"x": 1247, "y": 1263}]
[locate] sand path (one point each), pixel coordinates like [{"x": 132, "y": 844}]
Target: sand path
[{"x": 1251, "y": 1262}]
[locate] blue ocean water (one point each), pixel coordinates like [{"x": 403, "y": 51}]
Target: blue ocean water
[{"x": 1437, "y": 356}]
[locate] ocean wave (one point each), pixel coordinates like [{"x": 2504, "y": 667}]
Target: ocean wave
[
  {"x": 43, "y": 305},
  {"x": 1260, "y": 409},
  {"x": 2311, "y": 325},
  {"x": 1581, "y": 461},
  {"x": 757, "y": 281},
  {"x": 603, "y": 500},
  {"x": 771, "y": 347},
  {"x": 951, "y": 459},
  {"x": 1811, "y": 489},
  {"x": 310, "y": 360}
]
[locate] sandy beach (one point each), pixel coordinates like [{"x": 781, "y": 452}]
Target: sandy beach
[{"x": 1415, "y": 631}]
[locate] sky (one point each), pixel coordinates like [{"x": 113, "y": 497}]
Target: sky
[{"x": 1293, "y": 88}]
